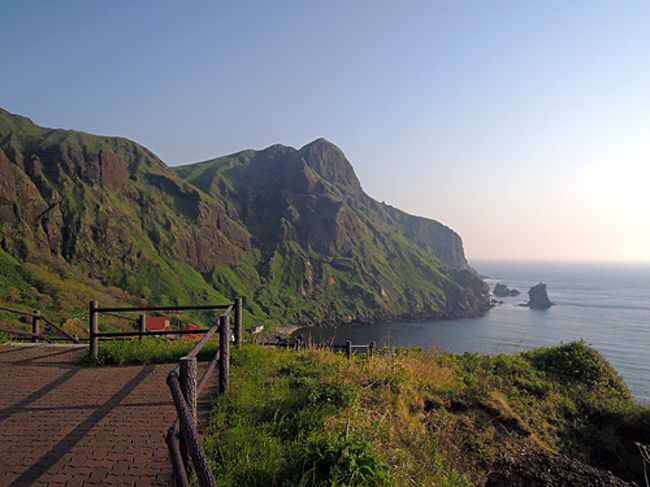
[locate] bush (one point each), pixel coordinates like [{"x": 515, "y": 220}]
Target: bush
[
  {"x": 335, "y": 461},
  {"x": 575, "y": 362}
]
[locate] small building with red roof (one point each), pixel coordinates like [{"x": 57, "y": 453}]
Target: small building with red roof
[{"x": 158, "y": 323}]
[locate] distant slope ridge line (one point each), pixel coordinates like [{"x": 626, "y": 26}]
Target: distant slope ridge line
[{"x": 290, "y": 229}]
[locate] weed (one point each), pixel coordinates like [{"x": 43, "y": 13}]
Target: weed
[{"x": 334, "y": 460}]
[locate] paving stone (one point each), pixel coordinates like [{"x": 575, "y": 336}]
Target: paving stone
[{"x": 65, "y": 425}]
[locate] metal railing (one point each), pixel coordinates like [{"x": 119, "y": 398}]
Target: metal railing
[{"x": 183, "y": 440}]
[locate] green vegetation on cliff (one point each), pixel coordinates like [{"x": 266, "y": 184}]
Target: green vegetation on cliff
[
  {"x": 88, "y": 216},
  {"x": 423, "y": 418}
]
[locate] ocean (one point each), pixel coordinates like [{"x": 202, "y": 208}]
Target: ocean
[{"x": 605, "y": 304}]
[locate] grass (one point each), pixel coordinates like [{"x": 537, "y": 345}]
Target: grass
[
  {"x": 303, "y": 418},
  {"x": 147, "y": 351},
  {"x": 273, "y": 429},
  {"x": 314, "y": 418}
]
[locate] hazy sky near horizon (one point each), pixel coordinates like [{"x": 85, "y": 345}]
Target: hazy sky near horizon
[{"x": 524, "y": 126}]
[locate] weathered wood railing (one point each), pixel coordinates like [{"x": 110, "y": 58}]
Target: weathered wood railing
[
  {"x": 185, "y": 448},
  {"x": 118, "y": 312},
  {"x": 36, "y": 334}
]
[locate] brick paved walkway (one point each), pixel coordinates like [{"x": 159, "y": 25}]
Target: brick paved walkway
[{"x": 65, "y": 425}]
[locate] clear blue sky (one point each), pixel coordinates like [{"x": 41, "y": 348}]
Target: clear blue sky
[{"x": 522, "y": 125}]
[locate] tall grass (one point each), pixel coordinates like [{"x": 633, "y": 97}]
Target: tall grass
[{"x": 314, "y": 418}]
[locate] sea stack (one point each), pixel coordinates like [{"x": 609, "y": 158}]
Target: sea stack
[
  {"x": 538, "y": 298},
  {"x": 502, "y": 291}
]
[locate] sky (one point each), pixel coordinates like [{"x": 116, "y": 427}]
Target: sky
[{"x": 524, "y": 126}]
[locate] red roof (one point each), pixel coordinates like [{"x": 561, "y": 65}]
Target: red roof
[{"x": 158, "y": 323}]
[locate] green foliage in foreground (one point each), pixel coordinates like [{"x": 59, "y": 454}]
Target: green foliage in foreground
[
  {"x": 147, "y": 351},
  {"x": 271, "y": 429},
  {"x": 313, "y": 418}
]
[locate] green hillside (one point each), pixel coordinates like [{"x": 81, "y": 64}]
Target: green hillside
[
  {"x": 314, "y": 418},
  {"x": 85, "y": 216}
]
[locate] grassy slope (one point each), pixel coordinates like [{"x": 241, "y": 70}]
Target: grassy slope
[
  {"x": 416, "y": 418},
  {"x": 129, "y": 248},
  {"x": 311, "y": 250}
]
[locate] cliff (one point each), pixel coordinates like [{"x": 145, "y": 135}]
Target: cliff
[{"x": 291, "y": 230}]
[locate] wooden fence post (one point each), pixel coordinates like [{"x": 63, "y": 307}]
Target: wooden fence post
[
  {"x": 372, "y": 348},
  {"x": 224, "y": 354},
  {"x": 36, "y": 325},
  {"x": 187, "y": 368},
  {"x": 141, "y": 325},
  {"x": 238, "y": 321},
  {"x": 199, "y": 458},
  {"x": 180, "y": 473},
  {"x": 348, "y": 348},
  {"x": 94, "y": 349},
  {"x": 187, "y": 373}
]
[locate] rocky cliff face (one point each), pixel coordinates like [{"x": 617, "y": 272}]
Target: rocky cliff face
[
  {"x": 78, "y": 206},
  {"x": 292, "y": 230},
  {"x": 306, "y": 209}
]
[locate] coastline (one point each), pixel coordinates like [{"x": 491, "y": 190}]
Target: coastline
[{"x": 389, "y": 320}]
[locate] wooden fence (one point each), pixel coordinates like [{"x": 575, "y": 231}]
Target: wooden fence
[
  {"x": 118, "y": 312},
  {"x": 36, "y": 334},
  {"x": 183, "y": 440}
]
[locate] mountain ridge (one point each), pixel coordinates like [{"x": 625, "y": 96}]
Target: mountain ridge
[{"x": 290, "y": 229}]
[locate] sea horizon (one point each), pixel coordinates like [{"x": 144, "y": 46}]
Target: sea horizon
[
  {"x": 606, "y": 304},
  {"x": 560, "y": 261}
]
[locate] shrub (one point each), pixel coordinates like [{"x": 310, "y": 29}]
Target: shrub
[
  {"x": 335, "y": 461},
  {"x": 575, "y": 362}
]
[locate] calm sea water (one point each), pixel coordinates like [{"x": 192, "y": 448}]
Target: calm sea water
[{"x": 606, "y": 304}]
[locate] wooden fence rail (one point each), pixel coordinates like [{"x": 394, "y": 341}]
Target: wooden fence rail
[
  {"x": 183, "y": 440},
  {"x": 185, "y": 448},
  {"x": 36, "y": 326},
  {"x": 95, "y": 310},
  {"x": 34, "y": 336}
]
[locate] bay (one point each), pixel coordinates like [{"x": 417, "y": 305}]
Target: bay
[{"x": 605, "y": 304}]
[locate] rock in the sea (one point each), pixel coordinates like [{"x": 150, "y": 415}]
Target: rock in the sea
[
  {"x": 502, "y": 291},
  {"x": 538, "y": 298}
]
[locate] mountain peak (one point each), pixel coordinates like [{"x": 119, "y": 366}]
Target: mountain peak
[{"x": 330, "y": 163}]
